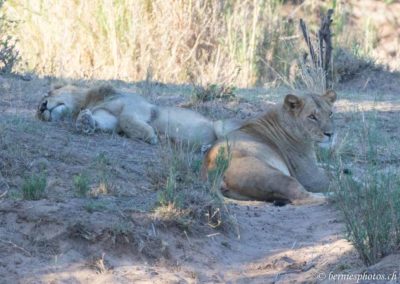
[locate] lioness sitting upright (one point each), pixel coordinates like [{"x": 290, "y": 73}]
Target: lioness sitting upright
[
  {"x": 272, "y": 157},
  {"x": 106, "y": 109}
]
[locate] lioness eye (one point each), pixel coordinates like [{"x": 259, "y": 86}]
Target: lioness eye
[
  {"x": 330, "y": 114},
  {"x": 311, "y": 116}
]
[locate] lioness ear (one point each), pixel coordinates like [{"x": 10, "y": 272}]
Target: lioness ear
[
  {"x": 330, "y": 96},
  {"x": 293, "y": 103}
]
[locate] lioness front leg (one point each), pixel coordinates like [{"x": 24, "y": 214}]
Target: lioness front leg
[
  {"x": 250, "y": 177},
  {"x": 135, "y": 128}
]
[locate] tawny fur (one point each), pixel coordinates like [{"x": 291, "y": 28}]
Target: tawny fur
[
  {"x": 107, "y": 109},
  {"x": 272, "y": 157}
]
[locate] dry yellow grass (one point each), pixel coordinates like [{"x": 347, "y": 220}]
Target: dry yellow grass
[
  {"x": 174, "y": 41},
  {"x": 233, "y": 42}
]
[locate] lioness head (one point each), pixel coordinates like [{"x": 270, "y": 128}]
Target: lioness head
[
  {"x": 57, "y": 104},
  {"x": 311, "y": 114}
]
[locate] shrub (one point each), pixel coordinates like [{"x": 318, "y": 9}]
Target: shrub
[
  {"x": 347, "y": 64},
  {"x": 9, "y": 55},
  {"x": 370, "y": 203}
]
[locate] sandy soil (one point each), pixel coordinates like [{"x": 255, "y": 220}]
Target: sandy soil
[{"x": 114, "y": 238}]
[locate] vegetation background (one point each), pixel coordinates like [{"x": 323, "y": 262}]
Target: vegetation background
[{"x": 243, "y": 43}]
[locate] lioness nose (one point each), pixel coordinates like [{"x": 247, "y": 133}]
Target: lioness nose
[{"x": 329, "y": 134}]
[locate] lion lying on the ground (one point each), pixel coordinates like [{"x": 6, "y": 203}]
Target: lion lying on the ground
[
  {"x": 107, "y": 109},
  {"x": 271, "y": 158}
]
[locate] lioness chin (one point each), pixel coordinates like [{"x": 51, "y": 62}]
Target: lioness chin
[{"x": 272, "y": 157}]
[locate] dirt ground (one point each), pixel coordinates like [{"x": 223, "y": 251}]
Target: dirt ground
[{"x": 114, "y": 237}]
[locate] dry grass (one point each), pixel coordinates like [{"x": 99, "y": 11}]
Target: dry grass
[
  {"x": 9, "y": 55},
  {"x": 124, "y": 39},
  {"x": 184, "y": 198},
  {"x": 239, "y": 43},
  {"x": 216, "y": 41}
]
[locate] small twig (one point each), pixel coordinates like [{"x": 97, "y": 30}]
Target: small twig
[
  {"x": 366, "y": 83},
  {"x": 16, "y": 246},
  {"x": 154, "y": 229},
  {"x": 187, "y": 238},
  {"x": 3, "y": 194},
  {"x": 283, "y": 38},
  {"x": 213, "y": 235}
]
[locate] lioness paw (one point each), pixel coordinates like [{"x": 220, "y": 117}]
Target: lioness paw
[{"x": 85, "y": 122}]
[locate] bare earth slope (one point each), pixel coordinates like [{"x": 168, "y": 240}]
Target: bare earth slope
[{"x": 44, "y": 241}]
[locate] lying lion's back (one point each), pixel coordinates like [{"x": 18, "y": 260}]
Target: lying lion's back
[
  {"x": 126, "y": 103},
  {"x": 185, "y": 124}
]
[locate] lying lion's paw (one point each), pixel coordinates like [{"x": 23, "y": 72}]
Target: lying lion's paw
[
  {"x": 313, "y": 198},
  {"x": 85, "y": 122}
]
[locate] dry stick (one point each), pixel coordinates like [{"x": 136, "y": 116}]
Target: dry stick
[
  {"x": 16, "y": 246},
  {"x": 308, "y": 42},
  {"x": 325, "y": 36},
  {"x": 325, "y": 44}
]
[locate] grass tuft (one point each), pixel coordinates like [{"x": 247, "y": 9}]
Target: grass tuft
[
  {"x": 33, "y": 187},
  {"x": 95, "y": 205},
  {"x": 81, "y": 183},
  {"x": 184, "y": 199}
]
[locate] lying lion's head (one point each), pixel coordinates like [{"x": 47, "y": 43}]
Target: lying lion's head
[
  {"x": 311, "y": 115},
  {"x": 57, "y": 104}
]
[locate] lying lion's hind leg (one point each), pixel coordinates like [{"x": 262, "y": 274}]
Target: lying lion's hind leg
[
  {"x": 88, "y": 122},
  {"x": 105, "y": 121},
  {"x": 256, "y": 180},
  {"x": 134, "y": 128},
  {"x": 85, "y": 122}
]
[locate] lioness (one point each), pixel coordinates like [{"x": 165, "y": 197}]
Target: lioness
[
  {"x": 272, "y": 158},
  {"x": 106, "y": 109}
]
